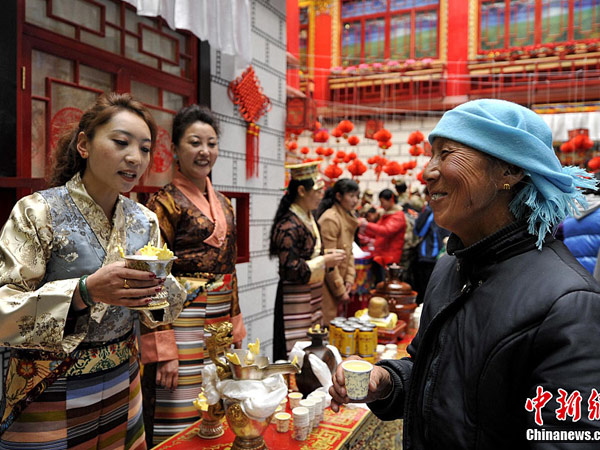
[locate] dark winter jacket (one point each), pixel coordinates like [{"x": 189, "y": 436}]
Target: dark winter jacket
[
  {"x": 500, "y": 319},
  {"x": 582, "y": 237}
]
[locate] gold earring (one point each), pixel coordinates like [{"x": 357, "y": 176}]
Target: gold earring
[{"x": 506, "y": 187}]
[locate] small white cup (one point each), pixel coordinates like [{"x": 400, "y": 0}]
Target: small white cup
[
  {"x": 357, "y": 374},
  {"x": 295, "y": 398},
  {"x": 393, "y": 347},
  {"x": 282, "y": 420}
]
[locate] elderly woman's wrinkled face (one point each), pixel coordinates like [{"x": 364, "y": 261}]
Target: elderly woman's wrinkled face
[{"x": 463, "y": 192}]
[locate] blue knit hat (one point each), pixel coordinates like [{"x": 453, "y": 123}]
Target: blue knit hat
[{"x": 517, "y": 135}]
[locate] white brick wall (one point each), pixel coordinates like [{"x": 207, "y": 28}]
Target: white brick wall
[
  {"x": 257, "y": 278},
  {"x": 366, "y": 148}
]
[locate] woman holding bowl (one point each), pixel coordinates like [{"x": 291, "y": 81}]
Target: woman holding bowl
[
  {"x": 198, "y": 224},
  {"x": 73, "y": 376},
  {"x": 506, "y": 346}
]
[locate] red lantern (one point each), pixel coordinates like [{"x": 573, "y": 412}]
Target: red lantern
[
  {"x": 594, "y": 163},
  {"x": 320, "y": 151},
  {"x": 304, "y": 150},
  {"x": 340, "y": 155},
  {"x": 385, "y": 145},
  {"x": 393, "y": 168},
  {"x": 346, "y": 126},
  {"x": 416, "y": 137},
  {"x": 293, "y": 146},
  {"x": 415, "y": 150},
  {"x": 587, "y": 143},
  {"x": 321, "y": 136},
  {"x": 333, "y": 171},
  {"x": 353, "y": 140},
  {"x": 383, "y": 135},
  {"x": 567, "y": 147},
  {"x": 337, "y": 133},
  {"x": 328, "y": 151},
  {"x": 357, "y": 168}
]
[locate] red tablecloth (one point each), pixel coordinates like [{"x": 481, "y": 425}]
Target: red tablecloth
[{"x": 331, "y": 434}]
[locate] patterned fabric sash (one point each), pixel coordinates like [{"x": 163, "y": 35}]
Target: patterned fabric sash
[
  {"x": 30, "y": 372},
  {"x": 301, "y": 310},
  {"x": 208, "y": 301}
]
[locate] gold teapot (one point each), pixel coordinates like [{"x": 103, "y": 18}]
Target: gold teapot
[{"x": 242, "y": 365}]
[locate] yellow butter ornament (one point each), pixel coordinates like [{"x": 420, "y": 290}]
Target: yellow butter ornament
[{"x": 233, "y": 358}]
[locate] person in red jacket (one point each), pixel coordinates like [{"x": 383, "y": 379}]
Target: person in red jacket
[{"x": 388, "y": 233}]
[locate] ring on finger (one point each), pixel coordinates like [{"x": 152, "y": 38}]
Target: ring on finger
[{"x": 125, "y": 284}]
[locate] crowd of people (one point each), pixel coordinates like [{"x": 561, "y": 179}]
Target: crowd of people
[{"x": 508, "y": 310}]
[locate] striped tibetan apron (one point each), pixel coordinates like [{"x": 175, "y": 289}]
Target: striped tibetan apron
[
  {"x": 207, "y": 302},
  {"x": 96, "y": 404},
  {"x": 301, "y": 310}
]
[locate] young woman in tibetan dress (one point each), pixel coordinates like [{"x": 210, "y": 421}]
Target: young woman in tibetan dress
[
  {"x": 198, "y": 223},
  {"x": 73, "y": 375},
  {"x": 296, "y": 242}
]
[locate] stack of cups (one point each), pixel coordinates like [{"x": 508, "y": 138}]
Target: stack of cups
[
  {"x": 320, "y": 398},
  {"x": 301, "y": 423},
  {"x": 310, "y": 405}
]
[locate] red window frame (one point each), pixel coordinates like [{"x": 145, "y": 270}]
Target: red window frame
[
  {"x": 304, "y": 27},
  {"x": 537, "y": 24},
  {"x": 387, "y": 16}
]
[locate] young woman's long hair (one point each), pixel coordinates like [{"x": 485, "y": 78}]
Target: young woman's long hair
[
  {"x": 284, "y": 206},
  {"x": 67, "y": 160},
  {"x": 341, "y": 186}
]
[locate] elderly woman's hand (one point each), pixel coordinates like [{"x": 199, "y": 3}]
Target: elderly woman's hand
[
  {"x": 380, "y": 386},
  {"x": 118, "y": 285}
]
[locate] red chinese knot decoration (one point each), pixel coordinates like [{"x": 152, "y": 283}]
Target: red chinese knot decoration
[{"x": 246, "y": 92}]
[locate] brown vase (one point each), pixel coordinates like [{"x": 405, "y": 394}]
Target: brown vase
[{"x": 306, "y": 380}]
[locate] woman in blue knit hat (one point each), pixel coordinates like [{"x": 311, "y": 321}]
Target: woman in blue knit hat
[{"x": 506, "y": 355}]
